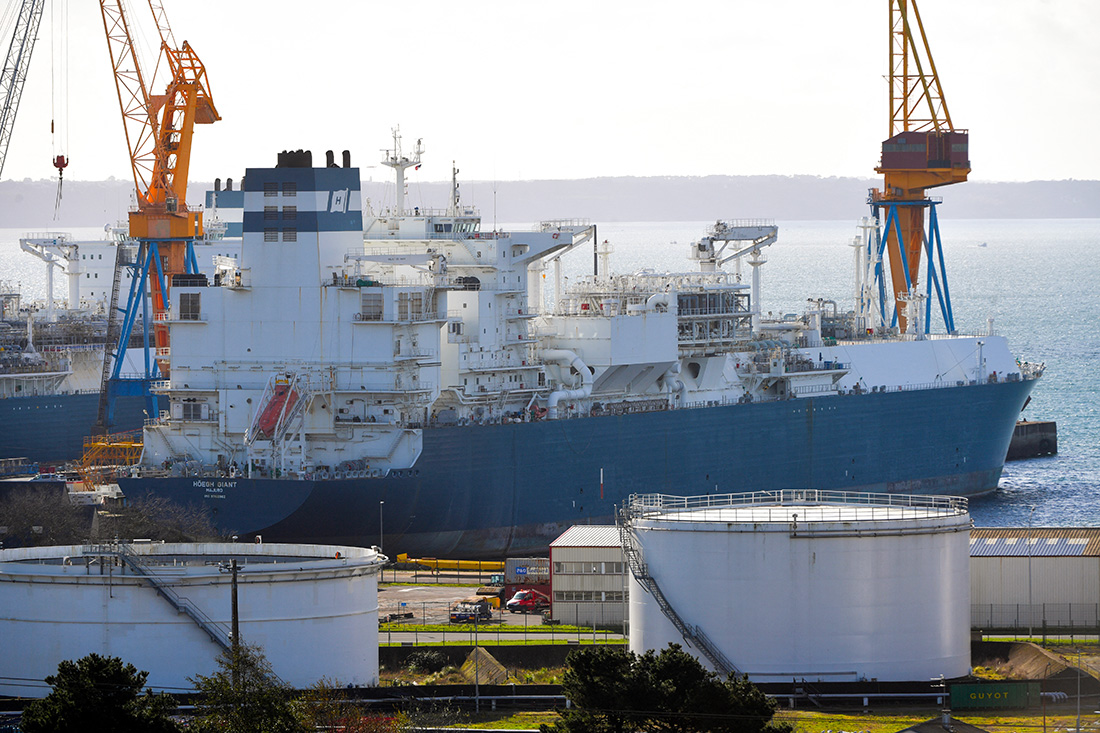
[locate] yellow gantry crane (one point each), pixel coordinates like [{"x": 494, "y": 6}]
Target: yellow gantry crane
[
  {"x": 924, "y": 150},
  {"x": 159, "y": 130}
]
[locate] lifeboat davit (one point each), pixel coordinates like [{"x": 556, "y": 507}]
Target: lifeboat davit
[{"x": 282, "y": 402}]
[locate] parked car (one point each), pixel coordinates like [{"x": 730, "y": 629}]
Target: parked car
[
  {"x": 471, "y": 610},
  {"x": 527, "y": 601}
]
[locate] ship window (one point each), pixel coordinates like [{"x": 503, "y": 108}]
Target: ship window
[
  {"x": 290, "y": 234},
  {"x": 271, "y": 235},
  {"x": 101, "y": 257},
  {"x": 371, "y": 306},
  {"x": 189, "y": 306},
  {"x": 290, "y": 188},
  {"x": 447, "y": 227},
  {"x": 439, "y": 228},
  {"x": 192, "y": 410},
  {"x": 290, "y": 212},
  {"x": 271, "y": 188},
  {"x": 271, "y": 212}
]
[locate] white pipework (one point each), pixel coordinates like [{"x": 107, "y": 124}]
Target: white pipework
[
  {"x": 557, "y": 281},
  {"x": 651, "y": 303},
  {"x": 567, "y": 357},
  {"x": 670, "y": 381},
  {"x": 656, "y": 299}
]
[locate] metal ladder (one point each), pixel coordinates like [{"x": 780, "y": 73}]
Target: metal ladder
[
  {"x": 125, "y": 552},
  {"x": 693, "y": 635}
]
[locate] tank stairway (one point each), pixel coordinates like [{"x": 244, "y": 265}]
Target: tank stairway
[
  {"x": 693, "y": 635},
  {"x": 125, "y": 552}
]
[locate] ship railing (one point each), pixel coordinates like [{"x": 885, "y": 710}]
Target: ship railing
[
  {"x": 422, "y": 317},
  {"x": 547, "y": 225},
  {"x": 50, "y": 237},
  {"x": 416, "y": 352},
  {"x": 893, "y": 338},
  {"x": 739, "y": 223},
  {"x": 815, "y": 389},
  {"x": 773, "y": 505}
]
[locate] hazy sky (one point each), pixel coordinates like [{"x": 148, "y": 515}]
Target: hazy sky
[{"x": 577, "y": 89}]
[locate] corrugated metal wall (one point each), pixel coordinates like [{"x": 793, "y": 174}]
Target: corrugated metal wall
[
  {"x": 997, "y": 580},
  {"x": 588, "y": 612}
]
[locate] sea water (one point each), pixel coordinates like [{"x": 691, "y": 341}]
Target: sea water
[{"x": 1039, "y": 280}]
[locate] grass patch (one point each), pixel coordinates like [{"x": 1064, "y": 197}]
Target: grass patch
[
  {"x": 516, "y": 642},
  {"x": 493, "y": 627}
]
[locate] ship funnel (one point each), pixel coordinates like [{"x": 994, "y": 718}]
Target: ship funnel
[{"x": 347, "y": 159}]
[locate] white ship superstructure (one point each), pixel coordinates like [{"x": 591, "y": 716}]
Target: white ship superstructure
[{"x": 354, "y": 358}]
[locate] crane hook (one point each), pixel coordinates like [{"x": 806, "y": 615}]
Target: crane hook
[{"x": 60, "y": 162}]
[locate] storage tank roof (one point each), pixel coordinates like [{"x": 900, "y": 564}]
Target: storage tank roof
[
  {"x": 201, "y": 558},
  {"x": 794, "y": 506}
]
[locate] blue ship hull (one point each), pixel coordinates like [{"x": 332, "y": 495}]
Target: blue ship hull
[
  {"x": 52, "y": 428},
  {"x": 491, "y": 491}
]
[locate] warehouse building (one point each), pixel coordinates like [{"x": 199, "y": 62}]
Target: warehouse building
[
  {"x": 1035, "y": 579},
  {"x": 588, "y": 577}
]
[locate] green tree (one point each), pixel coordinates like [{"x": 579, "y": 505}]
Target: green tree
[
  {"x": 99, "y": 693},
  {"x": 249, "y": 699},
  {"x": 328, "y": 706},
  {"x": 615, "y": 691}
]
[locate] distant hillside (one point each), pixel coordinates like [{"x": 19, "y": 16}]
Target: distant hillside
[{"x": 30, "y": 204}]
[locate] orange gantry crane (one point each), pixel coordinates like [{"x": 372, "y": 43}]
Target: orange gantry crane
[
  {"x": 924, "y": 151},
  {"x": 159, "y": 129}
]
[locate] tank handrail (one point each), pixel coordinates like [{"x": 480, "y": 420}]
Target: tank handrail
[{"x": 667, "y": 505}]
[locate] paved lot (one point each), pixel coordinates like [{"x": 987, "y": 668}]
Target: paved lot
[{"x": 429, "y": 604}]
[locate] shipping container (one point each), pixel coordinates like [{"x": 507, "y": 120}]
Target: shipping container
[
  {"x": 995, "y": 695},
  {"x": 526, "y": 571}
]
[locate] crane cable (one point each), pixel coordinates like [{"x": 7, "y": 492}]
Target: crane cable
[{"x": 59, "y": 89}]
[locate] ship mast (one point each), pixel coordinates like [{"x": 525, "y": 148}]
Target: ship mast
[
  {"x": 394, "y": 159},
  {"x": 454, "y": 190}
]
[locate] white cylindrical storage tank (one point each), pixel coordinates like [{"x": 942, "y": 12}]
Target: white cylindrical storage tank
[
  {"x": 312, "y": 610},
  {"x": 813, "y": 585}
]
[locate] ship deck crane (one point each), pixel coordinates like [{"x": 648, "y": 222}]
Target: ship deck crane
[
  {"x": 924, "y": 150},
  {"x": 159, "y": 130}
]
